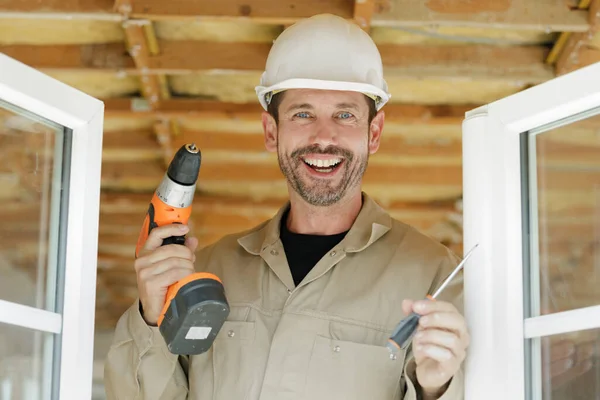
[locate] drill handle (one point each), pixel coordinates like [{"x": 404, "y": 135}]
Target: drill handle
[{"x": 174, "y": 240}]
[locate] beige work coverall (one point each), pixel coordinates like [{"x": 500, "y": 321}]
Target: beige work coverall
[{"x": 322, "y": 340}]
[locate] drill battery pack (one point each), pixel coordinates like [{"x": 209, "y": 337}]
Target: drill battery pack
[{"x": 194, "y": 312}]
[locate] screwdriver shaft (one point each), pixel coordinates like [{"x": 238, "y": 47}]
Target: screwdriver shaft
[{"x": 404, "y": 331}]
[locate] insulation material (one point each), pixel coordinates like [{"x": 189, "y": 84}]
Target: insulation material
[
  {"x": 227, "y": 86},
  {"x": 450, "y": 91},
  {"x": 595, "y": 41},
  {"x": 417, "y": 193},
  {"x": 238, "y": 87},
  {"x": 100, "y": 84},
  {"x": 217, "y": 31},
  {"x": 127, "y": 124},
  {"x": 453, "y": 35},
  {"x": 222, "y": 125},
  {"x": 414, "y": 134},
  {"x": 131, "y": 145},
  {"x": 423, "y": 134},
  {"x": 59, "y": 31}
]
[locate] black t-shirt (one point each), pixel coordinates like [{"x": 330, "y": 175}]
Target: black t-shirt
[{"x": 304, "y": 251}]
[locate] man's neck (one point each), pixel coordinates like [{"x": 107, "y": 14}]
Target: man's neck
[{"x": 312, "y": 220}]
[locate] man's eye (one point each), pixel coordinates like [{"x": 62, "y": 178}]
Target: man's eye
[
  {"x": 345, "y": 115},
  {"x": 302, "y": 115}
]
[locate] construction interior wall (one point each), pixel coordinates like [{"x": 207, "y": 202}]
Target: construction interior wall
[{"x": 171, "y": 76}]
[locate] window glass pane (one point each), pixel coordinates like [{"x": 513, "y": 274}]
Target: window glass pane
[
  {"x": 25, "y": 363},
  {"x": 570, "y": 366},
  {"x": 31, "y": 173},
  {"x": 567, "y": 184}
]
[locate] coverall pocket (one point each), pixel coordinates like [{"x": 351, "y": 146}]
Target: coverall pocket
[
  {"x": 340, "y": 369},
  {"x": 233, "y": 359}
]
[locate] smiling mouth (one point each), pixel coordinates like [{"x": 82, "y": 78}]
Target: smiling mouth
[{"x": 323, "y": 166}]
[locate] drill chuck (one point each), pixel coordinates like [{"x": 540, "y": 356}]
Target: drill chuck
[{"x": 185, "y": 166}]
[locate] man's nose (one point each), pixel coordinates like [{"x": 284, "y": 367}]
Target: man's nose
[{"x": 325, "y": 134}]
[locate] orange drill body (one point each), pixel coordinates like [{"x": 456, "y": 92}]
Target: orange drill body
[
  {"x": 195, "y": 307},
  {"x": 159, "y": 214}
]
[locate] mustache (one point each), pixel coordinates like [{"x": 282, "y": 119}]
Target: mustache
[{"x": 316, "y": 149}]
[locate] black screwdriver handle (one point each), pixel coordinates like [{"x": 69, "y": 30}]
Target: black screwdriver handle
[{"x": 404, "y": 331}]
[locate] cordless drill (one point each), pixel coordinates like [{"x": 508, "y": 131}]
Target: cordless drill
[{"x": 195, "y": 307}]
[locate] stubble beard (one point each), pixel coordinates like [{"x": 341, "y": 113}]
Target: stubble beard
[{"x": 322, "y": 192}]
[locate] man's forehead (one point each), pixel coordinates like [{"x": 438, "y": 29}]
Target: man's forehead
[{"x": 316, "y": 97}]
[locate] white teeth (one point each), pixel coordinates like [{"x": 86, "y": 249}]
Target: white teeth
[{"x": 322, "y": 163}]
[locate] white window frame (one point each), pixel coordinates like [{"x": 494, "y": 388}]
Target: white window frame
[
  {"x": 49, "y": 98},
  {"x": 494, "y": 282}
]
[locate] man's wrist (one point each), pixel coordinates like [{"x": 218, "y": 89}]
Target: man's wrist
[{"x": 141, "y": 310}]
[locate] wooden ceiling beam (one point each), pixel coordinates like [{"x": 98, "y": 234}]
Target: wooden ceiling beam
[
  {"x": 142, "y": 47},
  {"x": 247, "y": 172},
  {"x": 221, "y": 147},
  {"x": 196, "y": 108},
  {"x": 274, "y": 12},
  {"x": 576, "y": 52},
  {"x": 117, "y": 203},
  {"x": 520, "y": 63},
  {"x": 164, "y": 131},
  {"x": 280, "y": 11},
  {"x": 541, "y": 15},
  {"x": 363, "y": 13}
]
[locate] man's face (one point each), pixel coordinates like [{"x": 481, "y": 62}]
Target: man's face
[{"x": 323, "y": 141}]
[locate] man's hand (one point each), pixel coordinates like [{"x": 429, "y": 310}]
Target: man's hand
[
  {"x": 439, "y": 345},
  {"x": 158, "y": 267}
]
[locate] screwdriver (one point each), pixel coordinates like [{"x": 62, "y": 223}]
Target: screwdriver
[{"x": 401, "y": 335}]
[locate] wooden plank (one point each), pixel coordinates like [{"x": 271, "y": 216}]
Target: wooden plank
[
  {"x": 407, "y": 149},
  {"x": 576, "y": 52},
  {"x": 510, "y": 62},
  {"x": 522, "y": 63},
  {"x": 363, "y": 12},
  {"x": 164, "y": 134},
  {"x": 123, "y": 203},
  {"x": 542, "y": 15},
  {"x": 175, "y": 56},
  {"x": 280, "y": 11},
  {"x": 130, "y": 145},
  {"x": 109, "y": 56},
  {"x": 56, "y": 6},
  {"x": 138, "y": 45},
  {"x": 149, "y": 175},
  {"x": 275, "y": 12},
  {"x": 388, "y": 183},
  {"x": 197, "y": 108},
  {"x": 225, "y": 147}
]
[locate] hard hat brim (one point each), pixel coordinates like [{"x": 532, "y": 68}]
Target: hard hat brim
[{"x": 371, "y": 90}]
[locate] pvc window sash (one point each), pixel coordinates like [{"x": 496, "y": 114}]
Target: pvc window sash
[
  {"x": 563, "y": 322},
  {"x": 29, "y": 317},
  {"x": 42, "y": 95},
  {"x": 492, "y": 201}
]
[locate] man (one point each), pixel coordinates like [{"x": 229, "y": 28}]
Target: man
[{"x": 316, "y": 291}]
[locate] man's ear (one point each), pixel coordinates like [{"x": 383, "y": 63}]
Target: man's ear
[
  {"x": 270, "y": 131},
  {"x": 376, "y": 128}
]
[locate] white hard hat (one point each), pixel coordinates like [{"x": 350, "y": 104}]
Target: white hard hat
[{"x": 324, "y": 52}]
